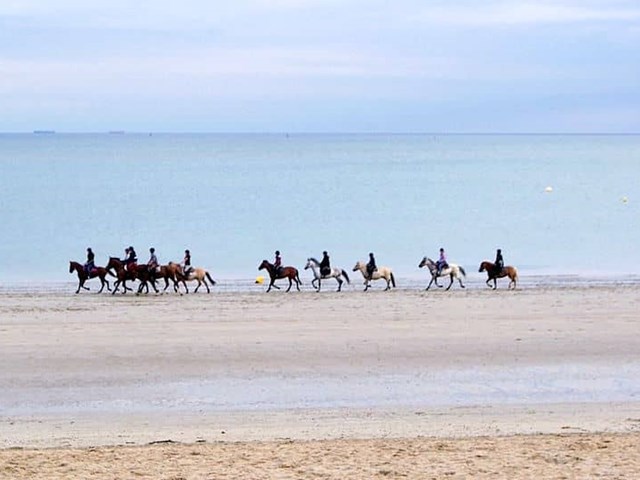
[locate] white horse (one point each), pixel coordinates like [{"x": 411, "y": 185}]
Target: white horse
[
  {"x": 336, "y": 273},
  {"x": 453, "y": 271},
  {"x": 381, "y": 273}
]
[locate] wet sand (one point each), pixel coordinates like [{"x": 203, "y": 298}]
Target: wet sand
[{"x": 501, "y": 384}]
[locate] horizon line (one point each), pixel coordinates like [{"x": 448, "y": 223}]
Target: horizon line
[{"x": 287, "y": 133}]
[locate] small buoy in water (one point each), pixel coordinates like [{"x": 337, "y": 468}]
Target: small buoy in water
[
  {"x": 549, "y": 189},
  {"x": 625, "y": 200},
  {"x": 260, "y": 280}
]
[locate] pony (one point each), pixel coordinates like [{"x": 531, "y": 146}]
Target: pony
[
  {"x": 381, "y": 273},
  {"x": 453, "y": 271},
  {"x": 507, "y": 271},
  {"x": 83, "y": 276},
  {"x": 290, "y": 273},
  {"x": 336, "y": 273},
  {"x": 197, "y": 274}
]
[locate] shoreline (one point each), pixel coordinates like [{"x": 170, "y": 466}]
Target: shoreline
[{"x": 473, "y": 281}]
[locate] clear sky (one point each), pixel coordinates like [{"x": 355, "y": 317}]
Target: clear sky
[{"x": 320, "y": 65}]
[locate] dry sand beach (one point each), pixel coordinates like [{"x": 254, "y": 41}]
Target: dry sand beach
[{"x": 540, "y": 382}]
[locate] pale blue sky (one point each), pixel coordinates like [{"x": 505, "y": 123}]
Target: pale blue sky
[{"x": 320, "y": 66}]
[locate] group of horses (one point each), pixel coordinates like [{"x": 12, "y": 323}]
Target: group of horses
[
  {"x": 452, "y": 271},
  {"x": 174, "y": 274}
]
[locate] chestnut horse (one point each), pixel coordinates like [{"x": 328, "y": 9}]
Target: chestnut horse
[
  {"x": 507, "y": 271},
  {"x": 83, "y": 276},
  {"x": 285, "y": 272}
]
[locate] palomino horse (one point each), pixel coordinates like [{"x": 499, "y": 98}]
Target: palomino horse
[
  {"x": 290, "y": 273},
  {"x": 453, "y": 271},
  {"x": 197, "y": 274},
  {"x": 336, "y": 273},
  {"x": 508, "y": 271},
  {"x": 83, "y": 276},
  {"x": 381, "y": 273}
]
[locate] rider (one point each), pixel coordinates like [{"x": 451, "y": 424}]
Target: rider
[
  {"x": 371, "y": 266},
  {"x": 186, "y": 263},
  {"x": 89, "y": 264},
  {"x": 325, "y": 265},
  {"x": 442, "y": 261},
  {"x": 130, "y": 259},
  {"x": 152, "y": 264},
  {"x": 499, "y": 263},
  {"x": 277, "y": 263}
]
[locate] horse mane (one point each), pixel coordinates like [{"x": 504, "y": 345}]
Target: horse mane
[{"x": 314, "y": 260}]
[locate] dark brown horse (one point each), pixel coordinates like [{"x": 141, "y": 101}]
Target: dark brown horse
[
  {"x": 285, "y": 272},
  {"x": 492, "y": 274},
  {"x": 123, "y": 274},
  {"x": 83, "y": 276}
]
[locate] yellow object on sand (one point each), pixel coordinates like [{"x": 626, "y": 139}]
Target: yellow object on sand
[{"x": 260, "y": 280}]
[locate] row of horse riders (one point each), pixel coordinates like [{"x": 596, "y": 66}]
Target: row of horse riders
[{"x": 129, "y": 269}]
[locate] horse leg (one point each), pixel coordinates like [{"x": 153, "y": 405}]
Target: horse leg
[
  {"x": 339, "y": 284},
  {"x": 290, "y": 284},
  {"x": 388, "y": 284},
  {"x": 298, "y": 282},
  {"x": 495, "y": 283},
  {"x": 102, "y": 280},
  {"x": 313, "y": 283},
  {"x": 319, "y": 284},
  {"x": 79, "y": 286},
  {"x": 429, "y": 286},
  {"x": 198, "y": 286},
  {"x": 461, "y": 284},
  {"x": 206, "y": 285},
  {"x": 450, "y": 282}
]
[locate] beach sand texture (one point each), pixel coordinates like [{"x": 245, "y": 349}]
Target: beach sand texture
[{"x": 532, "y": 383}]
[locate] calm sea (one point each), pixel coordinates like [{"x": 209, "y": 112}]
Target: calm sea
[{"x": 234, "y": 199}]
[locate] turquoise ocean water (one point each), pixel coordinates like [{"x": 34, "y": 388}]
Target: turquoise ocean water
[{"x": 234, "y": 199}]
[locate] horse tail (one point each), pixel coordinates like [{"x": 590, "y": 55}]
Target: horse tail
[
  {"x": 464, "y": 274},
  {"x": 111, "y": 273},
  {"x": 393, "y": 280},
  {"x": 213, "y": 282},
  {"x": 344, "y": 274}
]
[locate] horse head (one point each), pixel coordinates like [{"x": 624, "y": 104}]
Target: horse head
[
  {"x": 71, "y": 266},
  {"x": 484, "y": 266},
  {"x": 358, "y": 266},
  {"x": 423, "y": 262},
  {"x": 264, "y": 265}
]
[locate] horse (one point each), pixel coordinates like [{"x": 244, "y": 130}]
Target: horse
[
  {"x": 336, "y": 273},
  {"x": 197, "y": 274},
  {"x": 290, "y": 273},
  {"x": 381, "y": 273},
  {"x": 83, "y": 276},
  {"x": 124, "y": 274},
  {"x": 453, "y": 271},
  {"x": 168, "y": 272},
  {"x": 508, "y": 271}
]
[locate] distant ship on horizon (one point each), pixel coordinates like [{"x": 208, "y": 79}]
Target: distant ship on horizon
[{"x": 44, "y": 132}]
